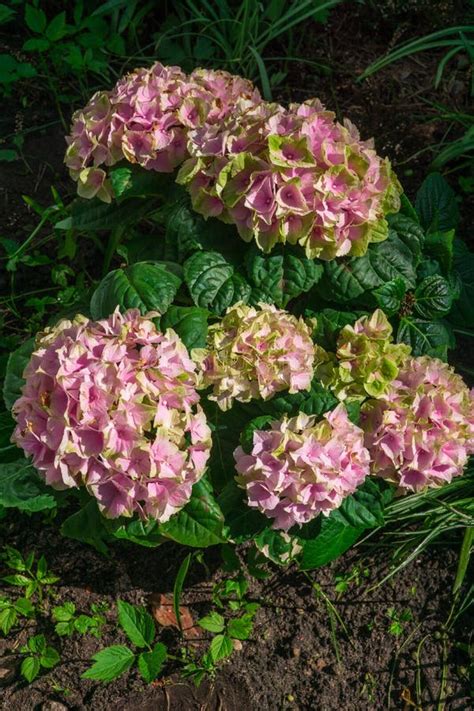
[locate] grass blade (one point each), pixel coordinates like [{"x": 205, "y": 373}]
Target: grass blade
[{"x": 178, "y": 587}]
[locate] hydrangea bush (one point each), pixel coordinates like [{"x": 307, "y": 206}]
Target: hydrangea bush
[{"x": 267, "y": 357}]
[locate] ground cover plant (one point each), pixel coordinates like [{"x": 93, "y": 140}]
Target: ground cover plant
[{"x": 263, "y": 361}]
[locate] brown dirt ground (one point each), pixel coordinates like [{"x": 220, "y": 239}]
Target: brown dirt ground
[{"x": 289, "y": 663}]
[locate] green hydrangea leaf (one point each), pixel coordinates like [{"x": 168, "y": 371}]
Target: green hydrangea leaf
[
  {"x": 432, "y": 338},
  {"x": 462, "y": 314},
  {"x": 87, "y": 525},
  {"x": 16, "y": 364},
  {"x": 147, "y": 286},
  {"x": 22, "y": 488},
  {"x": 280, "y": 277},
  {"x": 332, "y": 539},
  {"x": 200, "y": 523},
  {"x": 242, "y": 522},
  {"x": 349, "y": 280},
  {"x": 409, "y": 231},
  {"x": 189, "y": 322},
  {"x": 389, "y": 296},
  {"x": 213, "y": 282},
  {"x": 436, "y": 204},
  {"x": 329, "y": 323},
  {"x": 434, "y": 298},
  {"x": 439, "y": 245}
]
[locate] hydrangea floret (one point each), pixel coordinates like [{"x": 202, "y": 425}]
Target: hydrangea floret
[
  {"x": 292, "y": 175},
  {"x": 421, "y": 433},
  {"x": 145, "y": 119},
  {"x": 255, "y": 353},
  {"x": 112, "y": 405},
  {"x": 366, "y": 361},
  {"x": 301, "y": 468}
]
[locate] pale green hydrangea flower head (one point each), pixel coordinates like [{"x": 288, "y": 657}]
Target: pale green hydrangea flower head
[
  {"x": 366, "y": 360},
  {"x": 254, "y": 353}
]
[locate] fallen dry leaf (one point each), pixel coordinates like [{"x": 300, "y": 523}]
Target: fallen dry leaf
[{"x": 163, "y": 612}]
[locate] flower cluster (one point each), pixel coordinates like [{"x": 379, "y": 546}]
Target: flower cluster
[
  {"x": 145, "y": 119},
  {"x": 366, "y": 360},
  {"x": 292, "y": 175},
  {"x": 280, "y": 175},
  {"x": 255, "y": 353},
  {"x": 301, "y": 468},
  {"x": 421, "y": 433},
  {"x": 112, "y": 405}
]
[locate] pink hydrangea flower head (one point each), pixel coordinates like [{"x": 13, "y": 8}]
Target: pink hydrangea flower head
[
  {"x": 112, "y": 405},
  {"x": 145, "y": 119},
  {"x": 422, "y": 432},
  {"x": 366, "y": 360},
  {"x": 301, "y": 468},
  {"x": 292, "y": 175},
  {"x": 255, "y": 353}
]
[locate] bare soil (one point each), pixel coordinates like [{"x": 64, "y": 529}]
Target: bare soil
[{"x": 291, "y": 662}]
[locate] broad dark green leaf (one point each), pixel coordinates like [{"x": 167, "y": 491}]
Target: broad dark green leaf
[
  {"x": 409, "y": 231},
  {"x": 188, "y": 232},
  {"x": 316, "y": 401},
  {"x": 151, "y": 663},
  {"x": 144, "y": 533},
  {"x": 406, "y": 208},
  {"x": 87, "y": 525},
  {"x": 278, "y": 278},
  {"x": 462, "y": 313},
  {"x": 347, "y": 281},
  {"x": 432, "y": 338},
  {"x": 137, "y": 623},
  {"x": 364, "y": 508},
  {"x": 22, "y": 488},
  {"x": 332, "y": 540},
  {"x": 389, "y": 296},
  {"x": 8, "y": 451},
  {"x": 213, "y": 283},
  {"x": 134, "y": 182},
  {"x": 16, "y": 364},
  {"x": 226, "y": 428},
  {"x": 436, "y": 204},
  {"x": 439, "y": 245},
  {"x": 433, "y": 298},
  {"x": 142, "y": 247},
  {"x": 329, "y": 323},
  {"x": 110, "y": 663},
  {"x": 189, "y": 322},
  {"x": 148, "y": 286},
  {"x": 242, "y": 522},
  {"x": 94, "y": 215},
  {"x": 200, "y": 523},
  {"x": 277, "y": 546}
]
